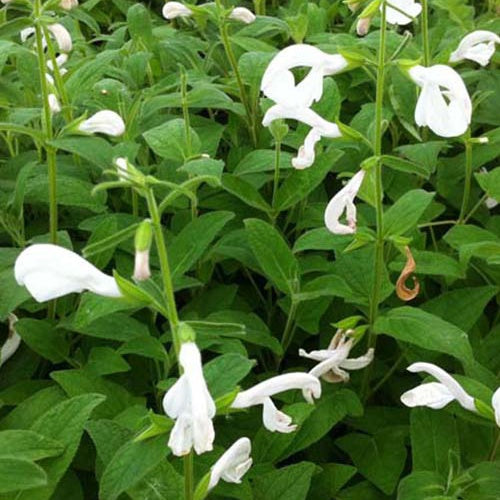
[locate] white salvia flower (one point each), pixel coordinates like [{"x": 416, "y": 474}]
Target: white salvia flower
[
  {"x": 233, "y": 464},
  {"x": 446, "y": 112},
  {"x": 344, "y": 200},
  {"x": 260, "y": 394},
  {"x": 58, "y": 31},
  {"x": 306, "y": 154},
  {"x": 171, "y": 10},
  {"x": 141, "y": 266},
  {"x": 104, "y": 122},
  {"x": 50, "y": 271},
  {"x": 54, "y": 105},
  {"x": 436, "y": 395},
  {"x": 410, "y": 7},
  {"x": 242, "y": 14},
  {"x": 61, "y": 59},
  {"x": 122, "y": 169},
  {"x": 478, "y": 46},
  {"x": 12, "y": 343},
  {"x": 293, "y": 101},
  {"x": 68, "y": 4},
  {"x": 495, "y": 402},
  {"x": 190, "y": 404},
  {"x": 334, "y": 361}
]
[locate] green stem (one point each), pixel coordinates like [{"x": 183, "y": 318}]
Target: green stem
[
  {"x": 468, "y": 180},
  {"x": 289, "y": 327},
  {"x": 46, "y": 123},
  {"x": 475, "y": 207},
  {"x": 185, "y": 112},
  {"x": 226, "y": 42},
  {"x": 425, "y": 33},
  {"x": 168, "y": 287},
  {"x": 188, "y": 477},
  {"x": 379, "y": 210},
  {"x": 494, "y": 448},
  {"x": 276, "y": 171}
]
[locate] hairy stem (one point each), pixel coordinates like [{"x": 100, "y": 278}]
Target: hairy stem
[
  {"x": 425, "y": 33},
  {"x": 468, "y": 181}
]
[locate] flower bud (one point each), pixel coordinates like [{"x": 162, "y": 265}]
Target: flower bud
[
  {"x": 68, "y": 4},
  {"x": 104, "y": 122},
  {"x": 186, "y": 333},
  {"x": 242, "y": 14},
  {"x": 143, "y": 239},
  {"x": 363, "y": 26},
  {"x": 54, "y": 105},
  {"x": 171, "y": 10}
]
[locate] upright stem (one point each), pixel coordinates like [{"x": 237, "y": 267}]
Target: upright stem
[
  {"x": 289, "y": 327},
  {"x": 243, "y": 94},
  {"x": 425, "y": 33},
  {"x": 468, "y": 180},
  {"x": 379, "y": 211},
  {"x": 188, "y": 477},
  {"x": 46, "y": 124},
  {"x": 276, "y": 171}
]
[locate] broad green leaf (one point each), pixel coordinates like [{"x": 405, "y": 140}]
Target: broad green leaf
[
  {"x": 161, "y": 483},
  {"x": 431, "y": 263},
  {"x": 425, "y": 154},
  {"x": 224, "y": 372},
  {"x": 433, "y": 436},
  {"x": 273, "y": 254},
  {"x": 319, "y": 239},
  {"x": 406, "y": 212},
  {"x": 245, "y": 192},
  {"x": 43, "y": 338},
  {"x": 406, "y": 166},
  {"x": 422, "y": 485},
  {"x": 262, "y": 160},
  {"x": 19, "y": 475},
  {"x": 95, "y": 150},
  {"x": 64, "y": 422},
  {"x": 379, "y": 458},
  {"x": 426, "y": 330},
  {"x": 329, "y": 482},
  {"x": 490, "y": 182},
  {"x": 28, "y": 445},
  {"x": 288, "y": 483},
  {"x": 130, "y": 464},
  {"x": 108, "y": 437},
  {"x": 190, "y": 244}
]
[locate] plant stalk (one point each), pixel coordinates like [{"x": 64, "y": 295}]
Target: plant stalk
[
  {"x": 425, "y": 33},
  {"x": 468, "y": 180},
  {"x": 277, "y": 156},
  {"x": 188, "y": 477},
  {"x": 379, "y": 210}
]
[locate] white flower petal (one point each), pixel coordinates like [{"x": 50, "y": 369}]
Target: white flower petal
[
  {"x": 49, "y": 271},
  {"x": 495, "y": 402},
  {"x": 359, "y": 363},
  {"x": 275, "y": 420},
  {"x": 103, "y": 122},
  {"x": 344, "y": 200},
  {"x": 274, "y": 385},
  {"x": 433, "y": 395},
  {"x": 446, "y": 112},
  {"x": 180, "y": 440},
  {"x": 68, "y": 4},
  {"x": 455, "y": 389},
  {"x": 12, "y": 343},
  {"x": 54, "y": 105},
  {"x": 243, "y": 15},
  {"x": 306, "y": 155},
  {"x": 233, "y": 464},
  {"x": 61, "y": 36},
  {"x": 171, "y": 10},
  {"x": 410, "y": 7},
  {"x": 141, "y": 265},
  {"x": 478, "y": 46}
]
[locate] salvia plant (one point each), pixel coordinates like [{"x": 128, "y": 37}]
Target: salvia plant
[{"x": 249, "y": 251}]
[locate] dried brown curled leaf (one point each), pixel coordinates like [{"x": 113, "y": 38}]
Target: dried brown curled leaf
[{"x": 403, "y": 292}]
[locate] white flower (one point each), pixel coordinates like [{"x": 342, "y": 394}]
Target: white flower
[
  {"x": 490, "y": 203},
  {"x": 446, "y": 112},
  {"x": 171, "y": 10},
  {"x": 58, "y": 32},
  {"x": 233, "y": 464},
  {"x": 60, "y": 61},
  {"x": 68, "y": 4},
  {"x": 54, "y": 105},
  {"x": 12, "y": 343},
  {"x": 141, "y": 265},
  {"x": 293, "y": 100},
  {"x": 49, "y": 271},
  {"x": 436, "y": 395},
  {"x": 242, "y": 14},
  {"x": 409, "y": 7},
  {"x": 495, "y": 402},
  {"x": 260, "y": 394},
  {"x": 344, "y": 200},
  {"x": 334, "y": 361},
  {"x": 478, "y": 46},
  {"x": 104, "y": 122},
  {"x": 190, "y": 404}
]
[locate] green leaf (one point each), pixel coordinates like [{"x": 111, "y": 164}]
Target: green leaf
[
  {"x": 433, "y": 436},
  {"x": 185, "y": 249},
  {"x": 288, "y": 483},
  {"x": 17, "y": 475},
  {"x": 406, "y": 166},
  {"x": 224, "y": 372},
  {"x": 169, "y": 141},
  {"x": 329, "y": 482},
  {"x": 28, "y": 445},
  {"x": 262, "y": 160},
  {"x": 431, "y": 263},
  {"x": 425, "y": 154},
  {"x": 130, "y": 464},
  {"x": 490, "y": 182},
  {"x": 319, "y": 239},
  {"x": 420, "y": 328},
  {"x": 245, "y": 192},
  {"x": 64, "y": 422},
  {"x": 95, "y": 150},
  {"x": 406, "y": 212},
  {"x": 273, "y": 254},
  {"x": 301, "y": 182},
  {"x": 43, "y": 338},
  {"x": 422, "y": 485},
  {"x": 380, "y": 458}
]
